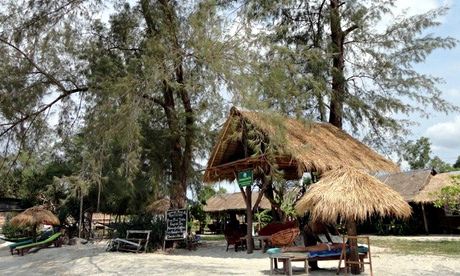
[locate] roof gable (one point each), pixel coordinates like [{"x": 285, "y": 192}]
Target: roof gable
[{"x": 302, "y": 147}]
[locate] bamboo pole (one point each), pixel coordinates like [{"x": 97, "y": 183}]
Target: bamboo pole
[{"x": 425, "y": 221}]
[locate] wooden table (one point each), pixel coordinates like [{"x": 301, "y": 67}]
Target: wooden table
[{"x": 287, "y": 259}]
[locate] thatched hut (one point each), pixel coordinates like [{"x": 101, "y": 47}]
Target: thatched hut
[
  {"x": 233, "y": 202},
  {"x": 419, "y": 189},
  {"x": 301, "y": 147},
  {"x": 228, "y": 206},
  {"x": 351, "y": 195},
  {"x": 291, "y": 146}
]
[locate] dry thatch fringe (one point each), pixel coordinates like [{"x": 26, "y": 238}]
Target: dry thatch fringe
[
  {"x": 351, "y": 195},
  {"x": 34, "y": 216},
  {"x": 311, "y": 146},
  {"x": 159, "y": 206},
  {"x": 429, "y": 193},
  {"x": 322, "y": 146}
]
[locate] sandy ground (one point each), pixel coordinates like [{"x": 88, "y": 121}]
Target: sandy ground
[{"x": 209, "y": 259}]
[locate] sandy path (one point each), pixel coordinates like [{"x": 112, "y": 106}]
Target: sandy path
[{"x": 210, "y": 259}]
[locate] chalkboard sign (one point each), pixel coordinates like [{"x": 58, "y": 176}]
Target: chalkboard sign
[{"x": 176, "y": 224}]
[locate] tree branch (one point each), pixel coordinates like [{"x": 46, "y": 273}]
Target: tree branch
[
  {"x": 350, "y": 29},
  {"x": 42, "y": 109}
]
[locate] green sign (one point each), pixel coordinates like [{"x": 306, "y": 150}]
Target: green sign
[{"x": 245, "y": 178}]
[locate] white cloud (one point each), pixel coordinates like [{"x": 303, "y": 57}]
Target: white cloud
[
  {"x": 414, "y": 7},
  {"x": 445, "y": 135},
  {"x": 452, "y": 95}
]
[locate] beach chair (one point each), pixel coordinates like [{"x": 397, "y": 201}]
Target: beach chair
[
  {"x": 17, "y": 244},
  {"x": 43, "y": 236},
  {"x": 284, "y": 237},
  {"x": 53, "y": 239},
  {"x": 130, "y": 243},
  {"x": 234, "y": 237}
]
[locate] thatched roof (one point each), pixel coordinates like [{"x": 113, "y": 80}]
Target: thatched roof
[
  {"x": 351, "y": 194},
  {"x": 408, "y": 184},
  {"x": 159, "y": 206},
  {"x": 34, "y": 216},
  {"x": 233, "y": 202},
  {"x": 302, "y": 147},
  {"x": 436, "y": 183}
]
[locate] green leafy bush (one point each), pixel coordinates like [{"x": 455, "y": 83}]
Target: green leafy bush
[
  {"x": 263, "y": 218},
  {"x": 449, "y": 197},
  {"x": 11, "y": 232}
]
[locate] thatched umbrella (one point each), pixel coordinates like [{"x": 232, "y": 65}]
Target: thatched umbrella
[
  {"x": 35, "y": 216},
  {"x": 159, "y": 206},
  {"x": 351, "y": 195}
]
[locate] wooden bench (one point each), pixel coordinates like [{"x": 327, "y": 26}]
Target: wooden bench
[{"x": 131, "y": 244}]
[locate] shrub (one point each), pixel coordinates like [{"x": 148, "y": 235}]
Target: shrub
[{"x": 10, "y": 231}]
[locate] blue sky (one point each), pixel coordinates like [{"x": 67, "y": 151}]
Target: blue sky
[{"x": 442, "y": 129}]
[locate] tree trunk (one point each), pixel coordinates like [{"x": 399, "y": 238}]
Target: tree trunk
[
  {"x": 351, "y": 231},
  {"x": 338, "y": 64},
  {"x": 278, "y": 214},
  {"x": 249, "y": 243},
  {"x": 181, "y": 143},
  {"x": 80, "y": 220}
]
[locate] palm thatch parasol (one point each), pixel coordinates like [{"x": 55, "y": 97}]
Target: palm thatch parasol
[
  {"x": 159, "y": 206},
  {"x": 35, "y": 216},
  {"x": 351, "y": 195}
]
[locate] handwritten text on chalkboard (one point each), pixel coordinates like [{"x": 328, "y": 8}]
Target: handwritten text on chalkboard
[{"x": 176, "y": 224}]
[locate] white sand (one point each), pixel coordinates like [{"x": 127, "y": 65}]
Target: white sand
[{"x": 210, "y": 259}]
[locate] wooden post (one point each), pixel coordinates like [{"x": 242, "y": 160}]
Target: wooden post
[
  {"x": 249, "y": 244},
  {"x": 425, "y": 221},
  {"x": 354, "y": 257}
]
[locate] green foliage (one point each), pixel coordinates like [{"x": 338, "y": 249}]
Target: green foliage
[
  {"x": 263, "y": 218},
  {"x": 439, "y": 165},
  {"x": 196, "y": 212},
  {"x": 294, "y": 74},
  {"x": 449, "y": 197},
  {"x": 417, "y": 153},
  {"x": 457, "y": 163},
  {"x": 393, "y": 227},
  {"x": 206, "y": 192},
  {"x": 138, "y": 98},
  {"x": 10, "y": 231}
]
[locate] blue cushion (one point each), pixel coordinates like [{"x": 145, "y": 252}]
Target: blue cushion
[
  {"x": 326, "y": 253},
  {"x": 274, "y": 250}
]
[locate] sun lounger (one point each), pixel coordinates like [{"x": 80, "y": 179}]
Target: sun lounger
[
  {"x": 17, "y": 244},
  {"x": 43, "y": 236},
  {"x": 53, "y": 239}
]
